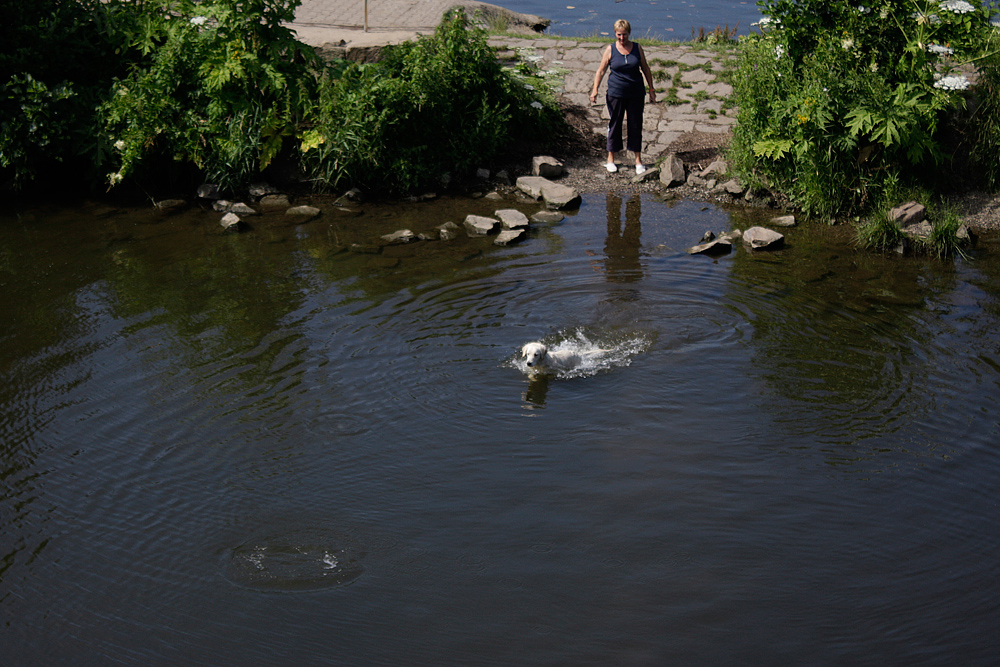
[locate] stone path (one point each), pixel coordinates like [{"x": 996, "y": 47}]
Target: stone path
[{"x": 693, "y": 97}]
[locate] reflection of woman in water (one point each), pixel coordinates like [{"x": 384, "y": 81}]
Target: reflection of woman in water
[{"x": 622, "y": 245}]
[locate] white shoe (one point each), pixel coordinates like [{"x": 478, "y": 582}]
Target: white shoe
[
  {"x": 640, "y": 169},
  {"x": 611, "y": 167}
]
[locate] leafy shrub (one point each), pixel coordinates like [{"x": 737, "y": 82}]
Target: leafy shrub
[
  {"x": 30, "y": 136},
  {"x": 442, "y": 103},
  {"x": 838, "y": 102},
  {"x": 57, "y": 58},
  {"x": 223, "y": 85}
]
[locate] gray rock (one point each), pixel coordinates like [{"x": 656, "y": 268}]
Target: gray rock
[
  {"x": 547, "y": 216},
  {"x": 964, "y": 233},
  {"x": 651, "y": 174},
  {"x": 237, "y": 207},
  {"x": 511, "y": 218},
  {"x": 399, "y": 237},
  {"x": 508, "y": 236},
  {"x": 482, "y": 174},
  {"x": 922, "y": 230},
  {"x": 761, "y": 238},
  {"x": 480, "y": 225},
  {"x": 717, "y": 168},
  {"x": 720, "y": 246},
  {"x": 908, "y": 214},
  {"x": 352, "y": 196},
  {"x": 503, "y": 176},
  {"x": 546, "y": 167},
  {"x": 274, "y": 202},
  {"x": 784, "y": 221},
  {"x": 365, "y": 248},
  {"x": 556, "y": 195},
  {"x": 232, "y": 224},
  {"x": 696, "y": 181},
  {"x": 532, "y": 185},
  {"x": 302, "y": 213},
  {"x": 672, "y": 171},
  {"x": 170, "y": 204},
  {"x": 261, "y": 189},
  {"x": 707, "y": 237},
  {"x": 731, "y": 186},
  {"x": 448, "y": 231},
  {"x": 345, "y": 211},
  {"x": 208, "y": 191},
  {"x": 493, "y": 196}
]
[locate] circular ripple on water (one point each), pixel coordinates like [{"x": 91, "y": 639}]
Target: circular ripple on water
[{"x": 291, "y": 566}]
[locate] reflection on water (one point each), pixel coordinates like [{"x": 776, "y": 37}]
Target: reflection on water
[
  {"x": 788, "y": 457},
  {"x": 624, "y": 241}
]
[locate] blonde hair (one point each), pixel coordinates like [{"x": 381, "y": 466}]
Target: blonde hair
[{"x": 621, "y": 25}]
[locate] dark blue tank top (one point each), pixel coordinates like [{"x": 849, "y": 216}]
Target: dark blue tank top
[{"x": 625, "y": 79}]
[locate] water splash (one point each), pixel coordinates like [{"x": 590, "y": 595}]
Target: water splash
[{"x": 599, "y": 351}]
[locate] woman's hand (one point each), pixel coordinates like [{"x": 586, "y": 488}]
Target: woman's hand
[
  {"x": 652, "y": 96},
  {"x": 593, "y": 97}
]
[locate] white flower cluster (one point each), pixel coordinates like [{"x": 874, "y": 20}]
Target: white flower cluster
[
  {"x": 952, "y": 82},
  {"x": 940, "y": 49},
  {"x": 198, "y": 20},
  {"x": 767, "y": 22},
  {"x": 779, "y": 51},
  {"x": 536, "y": 105},
  {"x": 957, "y": 6},
  {"x": 864, "y": 10}
]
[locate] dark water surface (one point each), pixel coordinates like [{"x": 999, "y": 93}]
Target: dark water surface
[
  {"x": 255, "y": 449},
  {"x": 662, "y": 19}
]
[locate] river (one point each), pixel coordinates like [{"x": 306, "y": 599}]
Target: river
[
  {"x": 661, "y": 19},
  {"x": 263, "y": 449}
]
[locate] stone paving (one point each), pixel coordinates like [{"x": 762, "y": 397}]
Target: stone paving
[
  {"x": 383, "y": 15},
  {"x": 698, "y": 97}
]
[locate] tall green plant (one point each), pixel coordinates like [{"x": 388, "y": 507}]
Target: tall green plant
[
  {"x": 442, "y": 103},
  {"x": 838, "y": 100},
  {"x": 224, "y": 83},
  {"x": 56, "y": 61}
]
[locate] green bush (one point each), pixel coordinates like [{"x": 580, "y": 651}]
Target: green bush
[
  {"x": 839, "y": 102},
  {"x": 134, "y": 86},
  {"x": 57, "y": 58},
  {"x": 440, "y": 104},
  {"x": 223, "y": 85}
]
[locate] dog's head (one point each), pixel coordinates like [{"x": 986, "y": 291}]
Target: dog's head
[{"x": 534, "y": 354}]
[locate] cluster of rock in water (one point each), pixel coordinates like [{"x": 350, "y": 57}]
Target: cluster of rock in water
[
  {"x": 912, "y": 220},
  {"x": 509, "y": 225}
]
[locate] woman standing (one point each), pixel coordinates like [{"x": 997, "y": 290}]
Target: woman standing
[{"x": 626, "y": 93}]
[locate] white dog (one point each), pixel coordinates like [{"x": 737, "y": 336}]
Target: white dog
[{"x": 538, "y": 358}]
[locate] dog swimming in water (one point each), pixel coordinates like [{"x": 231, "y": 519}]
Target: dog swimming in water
[{"x": 539, "y": 359}]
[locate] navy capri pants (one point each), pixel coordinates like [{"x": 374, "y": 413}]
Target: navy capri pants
[{"x": 620, "y": 109}]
